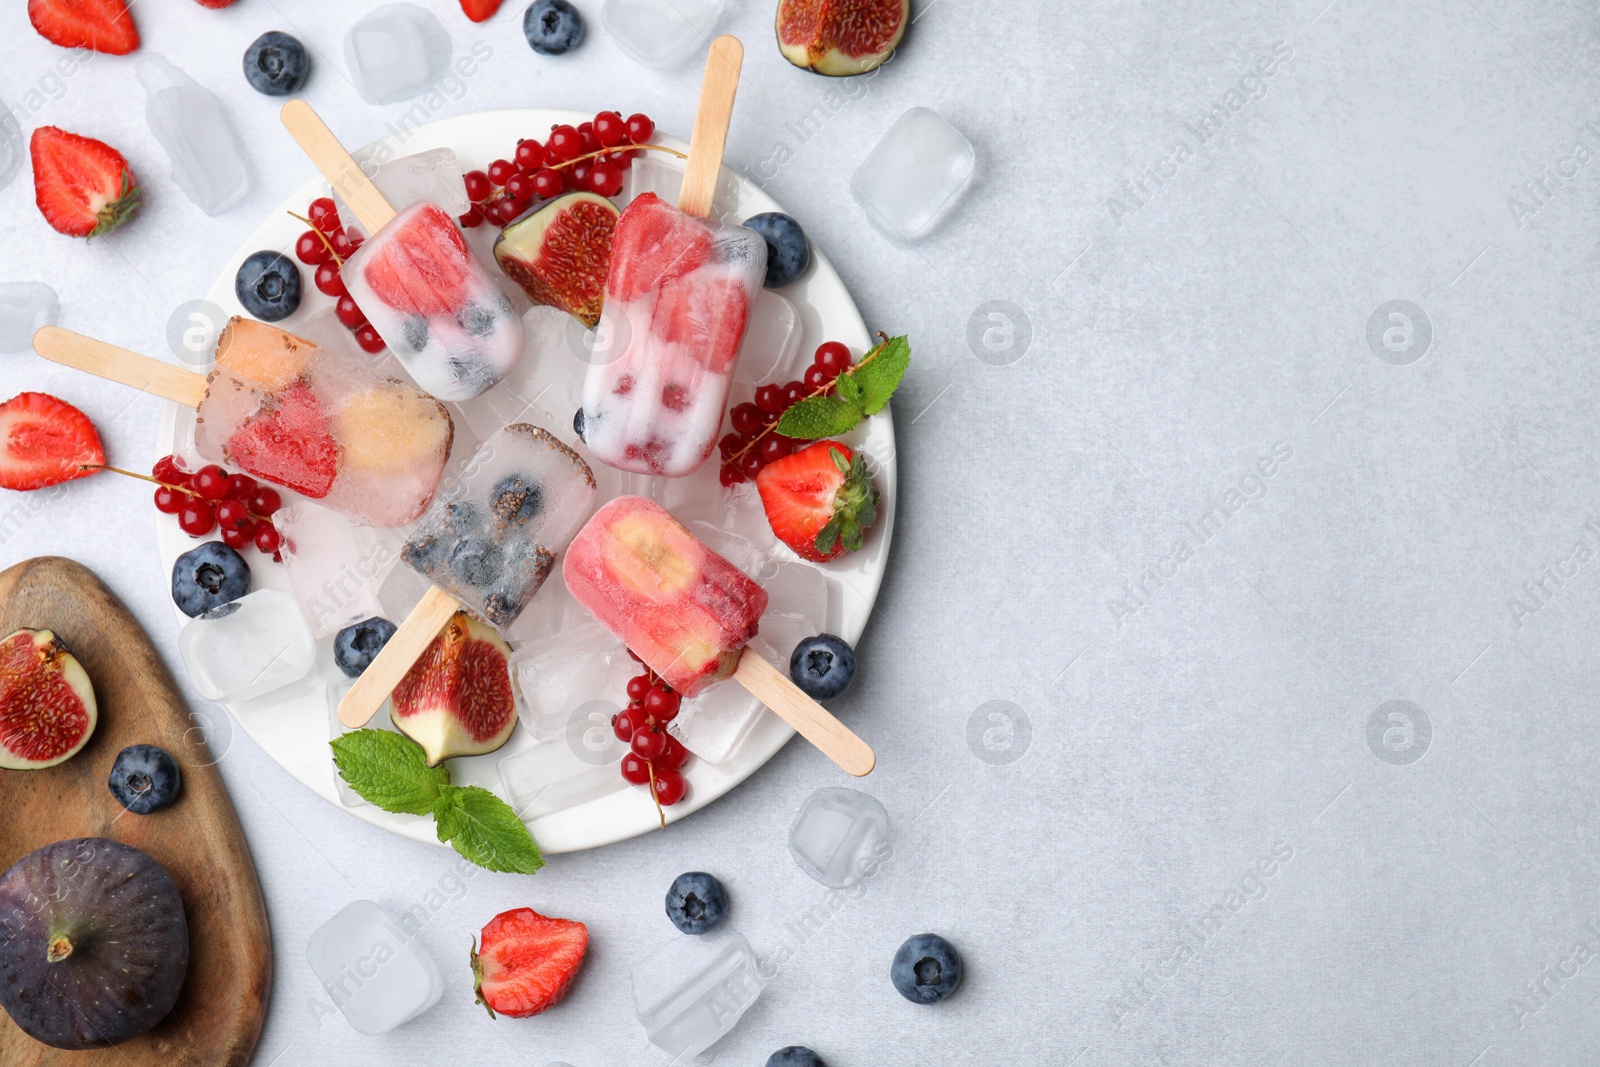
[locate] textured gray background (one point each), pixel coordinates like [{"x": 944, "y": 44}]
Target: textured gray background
[{"x": 1160, "y": 347}]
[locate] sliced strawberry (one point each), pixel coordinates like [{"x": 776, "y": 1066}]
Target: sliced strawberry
[
  {"x": 83, "y": 187},
  {"x": 289, "y": 443},
  {"x": 819, "y": 501},
  {"x": 215, "y": 4},
  {"x": 43, "y": 441},
  {"x": 654, "y": 241},
  {"x": 705, "y": 312},
  {"x": 525, "y": 961},
  {"x": 477, "y": 10},
  {"x": 424, "y": 267},
  {"x": 98, "y": 25}
]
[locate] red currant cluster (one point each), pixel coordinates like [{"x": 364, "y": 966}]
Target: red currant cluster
[
  {"x": 755, "y": 441},
  {"x": 211, "y": 498},
  {"x": 574, "y": 159},
  {"x": 655, "y": 757},
  {"x": 326, "y": 246}
]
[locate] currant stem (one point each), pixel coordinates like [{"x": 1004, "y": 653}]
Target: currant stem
[
  {"x": 651, "y": 767},
  {"x": 322, "y": 236},
  {"x": 165, "y": 485},
  {"x": 616, "y": 148}
]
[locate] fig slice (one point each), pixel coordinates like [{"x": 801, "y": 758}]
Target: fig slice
[
  {"x": 840, "y": 37},
  {"x": 457, "y": 699},
  {"x": 94, "y": 946},
  {"x": 560, "y": 253},
  {"x": 47, "y": 705}
]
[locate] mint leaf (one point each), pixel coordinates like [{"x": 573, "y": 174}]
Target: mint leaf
[
  {"x": 848, "y": 388},
  {"x": 880, "y": 376},
  {"x": 817, "y": 417},
  {"x": 389, "y": 770},
  {"x": 485, "y": 830}
]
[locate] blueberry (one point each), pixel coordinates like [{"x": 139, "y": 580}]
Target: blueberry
[
  {"x": 475, "y": 561},
  {"x": 276, "y": 64},
  {"x": 144, "y": 778},
  {"x": 268, "y": 285},
  {"x": 207, "y": 577},
  {"x": 358, "y": 644},
  {"x": 415, "y": 331},
  {"x": 462, "y": 516},
  {"x": 696, "y": 902},
  {"x": 926, "y": 969},
  {"x": 795, "y": 1056},
  {"x": 517, "y": 498},
  {"x": 477, "y": 320},
  {"x": 822, "y": 666},
  {"x": 422, "y": 553},
  {"x": 788, "y": 251},
  {"x": 552, "y": 27},
  {"x": 577, "y": 423}
]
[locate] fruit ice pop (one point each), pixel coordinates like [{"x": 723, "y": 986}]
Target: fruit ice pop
[
  {"x": 685, "y": 610},
  {"x": 491, "y": 541},
  {"x": 322, "y": 423},
  {"x": 452, "y": 328},
  {"x": 678, "y": 295}
]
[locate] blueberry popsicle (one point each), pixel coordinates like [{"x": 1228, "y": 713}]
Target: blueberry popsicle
[
  {"x": 310, "y": 419},
  {"x": 414, "y": 278},
  {"x": 487, "y": 544},
  {"x": 688, "y": 613}
]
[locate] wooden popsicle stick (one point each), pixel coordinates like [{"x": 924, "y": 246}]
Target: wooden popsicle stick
[
  {"x": 120, "y": 365},
  {"x": 407, "y": 645},
  {"x": 337, "y": 165},
  {"x": 711, "y": 126},
  {"x": 813, "y": 721}
]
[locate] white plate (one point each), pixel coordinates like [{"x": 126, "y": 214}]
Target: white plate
[{"x": 292, "y": 724}]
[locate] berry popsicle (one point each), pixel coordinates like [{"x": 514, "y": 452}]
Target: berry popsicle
[
  {"x": 310, "y": 419},
  {"x": 688, "y": 613},
  {"x": 487, "y": 544},
  {"x": 678, "y": 295},
  {"x": 436, "y": 308}
]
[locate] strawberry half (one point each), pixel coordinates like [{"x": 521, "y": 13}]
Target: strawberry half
[
  {"x": 819, "y": 501},
  {"x": 424, "y": 268},
  {"x": 289, "y": 443},
  {"x": 43, "y": 440},
  {"x": 83, "y": 187},
  {"x": 98, "y": 25},
  {"x": 477, "y": 10},
  {"x": 525, "y": 962}
]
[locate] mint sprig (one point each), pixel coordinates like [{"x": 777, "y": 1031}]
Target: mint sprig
[
  {"x": 389, "y": 771},
  {"x": 860, "y": 391}
]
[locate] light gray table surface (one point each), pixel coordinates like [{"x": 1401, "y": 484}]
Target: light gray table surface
[{"x": 1092, "y": 527}]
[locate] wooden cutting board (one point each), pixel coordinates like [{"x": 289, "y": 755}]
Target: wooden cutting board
[{"x": 218, "y": 1017}]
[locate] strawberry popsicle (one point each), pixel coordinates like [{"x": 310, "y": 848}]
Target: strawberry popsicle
[
  {"x": 491, "y": 540},
  {"x": 678, "y": 295},
  {"x": 452, "y": 328},
  {"x": 322, "y": 423},
  {"x": 683, "y": 609}
]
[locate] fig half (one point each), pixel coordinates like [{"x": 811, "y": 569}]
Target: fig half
[
  {"x": 94, "y": 946},
  {"x": 560, "y": 253},
  {"x": 47, "y": 705},
  {"x": 457, "y": 699},
  {"x": 841, "y": 37}
]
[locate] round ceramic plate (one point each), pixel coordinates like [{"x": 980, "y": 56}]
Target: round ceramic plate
[{"x": 559, "y": 768}]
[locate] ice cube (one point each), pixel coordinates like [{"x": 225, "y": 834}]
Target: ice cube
[
  {"x": 770, "y": 340},
  {"x": 661, "y": 33},
  {"x": 336, "y": 567},
  {"x": 24, "y": 307},
  {"x": 692, "y": 990},
  {"x": 434, "y": 175},
  {"x": 13, "y": 145},
  {"x": 396, "y": 52},
  {"x": 247, "y": 647},
  {"x": 797, "y": 605},
  {"x": 914, "y": 176},
  {"x": 838, "y": 834},
  {"x": 563, "y": 773},
  {"x": 401, "y": 591},
  {"x": 334, "y": 692},
  {"x": 372, "y": 970},
  {"x": 562, "y": 672},
  {"x": 188, "y": 120}
]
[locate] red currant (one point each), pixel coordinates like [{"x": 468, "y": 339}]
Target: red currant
[
  {"x": 610, "y": 129},
  {"x": 605, "y": 178},
  {"x": 355, "y": 237},
  {"x": 640, "y": 128},
  {"x": 662, "y": 703},
  {"x": 340, "y": 240},
  {"x": 632, "y": 654},
  {"x": 578, "y": 176},
  {"x": 308, "y": 248},
  {"x": 230, "y": 513},
  {"x": 670, "y": 787},
  {"x": 547, "y": 183},
  {"x": 638, "y": 686},
  {"x": 730, "y": 476},
  {"x": 832, "y": 357},
  {"x": 237, "y": 539},
  {"x": 500, "y": 171},
  {"x": 730, "y": 443},
  {"x": 348, "y": 313},
  {"x": 211, "y": 482},
  {"x": 197, "y": 517},
  {"x": 623, "y": 160},
  {"x": 648, "y": 744},
  {"x": 747, "y": 418},
  {"x": 565, "y": 143},
  {"x": 166, "y": 469},
  {"x": 241, "y": 487},
  {"x": 675, "y": 755},
  {"x": 591, "y": 143},
  {"x": 773, "y": 447},
  {"x": 327, "y": 279},
  {"x": 530, "y": 155},
  {"x": 169, "y": 501},
  {"x": 367, "y": 337},
  {"x": 635, "y": 770},
  {"x": 473, "y": 217},
  {"x": 478, "y": 186},
  {"x": 324, "y": 214},
  {"x": 622, "y": 726},
  {"x": 769, "y": 398},
  {"x": 265, "y": 501},
  {"x": 750, "y": 464},
  {"x": 267, "y": 539},
  {"x": 519, "y": 187},
  {"x": 793, "y": 393}
]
